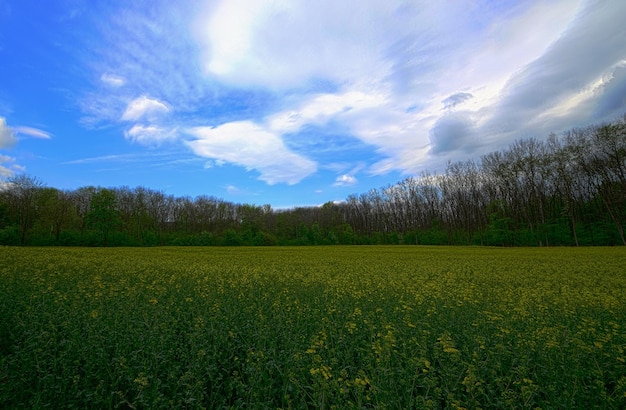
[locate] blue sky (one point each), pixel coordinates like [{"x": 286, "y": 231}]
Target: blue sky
[{"x": 293, "y": 102}]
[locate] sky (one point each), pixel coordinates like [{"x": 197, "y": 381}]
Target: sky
[{"x": 294, "y": 102}]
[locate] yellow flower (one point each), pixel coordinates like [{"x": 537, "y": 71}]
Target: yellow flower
[{"x": 141, "y": 380}]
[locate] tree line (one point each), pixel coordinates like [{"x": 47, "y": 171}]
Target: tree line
[{"x": 567, "y": 190}]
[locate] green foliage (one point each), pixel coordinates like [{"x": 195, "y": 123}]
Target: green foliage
[
  {"x": 263, "y": 238},
  {"x": 103, "y": 215},
  {"x": 231, "y": 238},
  {"x": 10, "y": 235},
  {"x": 317, "y": 327}
]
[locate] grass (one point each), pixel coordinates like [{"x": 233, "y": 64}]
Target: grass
[{"x": 320, "y": 327}]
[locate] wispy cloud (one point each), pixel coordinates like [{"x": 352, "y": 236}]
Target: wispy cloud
[
  {"x": 143, "y": 107},
  {"x": 155, "y": 160},
  {"x": 233, "y": 190},
  {"x": 149, "y": 134},
  {"x": 105, "y": 158},
  {"x": 32, "y": 132},
  {"x": 318, "y": 109},
  {"x": 113, "y": 80}
]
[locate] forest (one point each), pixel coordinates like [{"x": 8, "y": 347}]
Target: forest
[{"x": 565, "y": 190}]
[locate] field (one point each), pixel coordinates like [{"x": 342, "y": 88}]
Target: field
[{"x": 313, "y": 327}]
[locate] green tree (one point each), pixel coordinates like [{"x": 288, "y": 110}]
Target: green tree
[
  {"x": 103, "y": 215},
  {"x": 21, "y": 195}
]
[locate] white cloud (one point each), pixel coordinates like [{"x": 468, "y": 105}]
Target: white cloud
[
  {"x": 249, "y": 145},
  {"x": 7, "y": 135},
  {"x": 32, "y": 132},
  {"x": 345, "y": 180},
  {"x": 149, "y": 134},
  {"x": 113, "y": 80},
  {"x": 8, "y": 167},
  {"x": 104, "y": 158},
  {"x": 286, "y": 44},
  {"x": 318, "y": 109},
  {"x": 143, "y": 107},
  {"x": 213, "y": 163},
  {"x": 233, "y": 190},
  {"x": 6, "y": 172}
]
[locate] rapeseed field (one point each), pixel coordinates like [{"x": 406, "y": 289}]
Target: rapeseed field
[{"x": 320, "y": 327}]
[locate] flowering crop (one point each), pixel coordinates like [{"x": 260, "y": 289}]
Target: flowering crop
[{"x": 323, "y": 327}]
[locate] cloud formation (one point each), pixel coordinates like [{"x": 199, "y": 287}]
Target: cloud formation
[
  {"x": 7, "y": 140},
  {"x": 113, "y": 80},
  {"x": 391, "y": 78},
  {"x": 32, "y": 132},
  {"x": 417, "y": 83},
  {"x": 6, "y": 171},
  {"x": 246, "y": 144},
  {"x": 345, "y": 180},
  {"x": 149, "y": 134},
  {"x": 574, "y": 75},
  {"x": 456, "y": 99},
  {"x": 7, "y": 135},
  {"x": 289, "y": 44},
  {"x": 144, "y": 107},
  {"x": 452, "y": 132}
]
